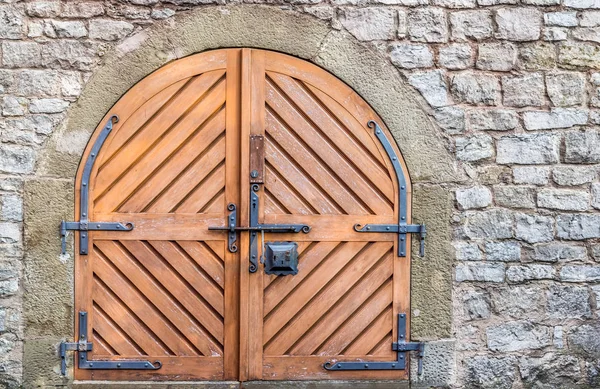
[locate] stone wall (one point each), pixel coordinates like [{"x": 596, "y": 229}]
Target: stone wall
[{"x": 514, "y": 88}]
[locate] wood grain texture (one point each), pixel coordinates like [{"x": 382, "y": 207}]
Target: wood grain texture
[{"x": 169, "y": 290}]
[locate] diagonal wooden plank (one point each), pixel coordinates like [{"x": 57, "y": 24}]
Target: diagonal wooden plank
[
  {"x": 359, "y": 321},
  {"x": 278, "y": 291},
  {"x": 327, "y": 297},
  {"x": 128, "y": 128},
  {"x": 273, "y": 205},
  {"x": 198, "y": 145},
  {"x": 181, "y": 290},
  {"x": 143, "y": 308},
  {"x": 204, "y": 192},
  {"x": 188, "y": 179},
  {"x": 372, "y": 335},
  {"x": 124, "y": 318},
  {"x": 154, "y": 129},
  {"x": 191, "y": 272},
  {"x": 214, "y": 205},
  {"x": 362, "y": 187},
  {"x": 119, "y": 340},
  {"x": 358, "y": 131},
  {"x": 382, "y": 347},
  {"x": 161, "y": 297},
  {"x": 324, "y": 177},
  {"x": 280, "y": 190},
  {"x": 168, "y": 143},
  {"x": 206, "y": 258},
  {"x": 347, "y": 145},
  {"x": 302, "y": 294},
  {"x": 101, "y": 347},
  {"x": 298, "y": 178},
  {"x": 344, "y": 307}
]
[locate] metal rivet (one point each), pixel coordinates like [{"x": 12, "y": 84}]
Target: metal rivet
[
  {"x": 387, "y": 228},
  {"x": 402, "y": 187},
  {"x": 394, "y": 158},
  {"x": 402, "y": 253},
  {"x": 91, "y": 364},
  {"x": 82, "y": 357},
  {"x": 84, "y": 183},
  {"x": 118, "y": 365},
  {"x": 401, "y": 336},
  {"x": 401, "y": 356},
  {"x": 393, "y": 365},
  {"x": 366, "y": 365},
  {"x": 403, "y": 217},
  {"x": 402, "y": 315},
  {"x": 368, "y": 228},
  {"x": 254, "y": 173}
]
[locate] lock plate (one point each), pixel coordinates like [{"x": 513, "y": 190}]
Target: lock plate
[{"x": 281, "y": 258}]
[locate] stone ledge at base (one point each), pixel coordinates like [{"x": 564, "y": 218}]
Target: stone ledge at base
[{"x": 244, "y": 385}]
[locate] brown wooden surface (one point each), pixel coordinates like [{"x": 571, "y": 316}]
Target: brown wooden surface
[{"x": 171, "y": 291}]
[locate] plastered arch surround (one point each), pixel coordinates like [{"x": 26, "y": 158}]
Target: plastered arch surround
[{"x": 431, "y": 167}]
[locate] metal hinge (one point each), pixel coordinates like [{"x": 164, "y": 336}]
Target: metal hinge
[
  {"x": 402, "y": 228},
  {"x": 401, "y": 347},
  {"x": 84, "y": 225},
  {"x": 82, "y": 346}
]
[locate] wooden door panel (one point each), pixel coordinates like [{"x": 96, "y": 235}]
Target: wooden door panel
[
  {"x": 167, "y": 291},
  {"x": 324, "y": 168}
]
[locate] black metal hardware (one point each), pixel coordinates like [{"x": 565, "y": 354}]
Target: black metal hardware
[
  {"x": 231, "y": 227},
  {"x": 255, "y": 227},
  {"x": 401, "y": 347},
  {"x": 84, "y": 225},
  {"x": 82, "y": 346},
  {"x": 402, "y": 228},
  {"x": 281, "y": 258}
]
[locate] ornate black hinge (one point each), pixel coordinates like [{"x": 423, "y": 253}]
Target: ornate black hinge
[
  {"x": 82, "y": 346},
  {"x": 255, "y": 227},
  {"x": 401, "y": 347},
  {"x": 402, "y": 228},
  {"x": 84, "y": 225}
]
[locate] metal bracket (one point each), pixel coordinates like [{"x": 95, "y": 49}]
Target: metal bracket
[
  {"x": 401, "y": 347},
  {"x": 82, "y": 346},
  {"x": 84, "y": 224},
  {"x": 402, "y": 228},
  {"x": 231, "y": 227}
]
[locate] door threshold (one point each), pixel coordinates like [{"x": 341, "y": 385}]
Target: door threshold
[{"x": 324, "y": 384}]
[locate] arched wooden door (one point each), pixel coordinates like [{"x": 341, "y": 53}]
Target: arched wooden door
[{"x": 266, "y": 144}]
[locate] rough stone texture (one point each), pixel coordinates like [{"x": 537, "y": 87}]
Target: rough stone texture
[
  {"x": 582, "y": 147},
  {"x": 451, "y": 119},
  {"x": 456, "y": 56},
  {"x": 368, "y": 24},
  {"x": 488, "y": 272},
  {"x": 528, "y": 149},
  {"x": 557, "y": 118},
  {"x": 563, "y": 199},
  {"x": 524, "y": 90},
  {"x": 596, "y": 195},
  {"x": 519, "y": 302},
  {"x": 432, "y": 86},
  {"x": 488, "y": 372},
  {"x": 493, "y": 120},
  {"x": 533, "y": 175},
  {"x": 467, "y": 251},
  {"x": 503, "y": 251},
  {"x": 476, "y": 197},
  {"x": 574, "y": 175},
  {"x": 519, "y": 24},
  {"x": 500, "y": 56},
  {"x": 585, "y": 341},
  {"x": 410, "y": 56},
  {"x": 476, "y": 25},
  {"x": 555, "y": 252},
  {"x": 492, "y": 224},
  {"x": 427, "y": 25},
  {"x": 518, "y": 335},
  {"x": 551, "y": 371},
  {"x": 514, "y": 196},
  {"x": 517, "y": 274},
  {"x": 565, "y": 89},
  {"x": 534, "y": 228},
  {"x": 580, "y": 273},
  {"x": 568, "y": 302},
  {"x": 578, "y": 226},
  {"x": 475, "y": 88}
]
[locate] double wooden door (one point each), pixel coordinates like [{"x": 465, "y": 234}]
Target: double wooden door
[{"x": 171, "y": 292}]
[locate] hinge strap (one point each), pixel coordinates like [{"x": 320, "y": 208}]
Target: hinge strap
[
  {"x": 83, "y": 346},
  {"x": 401, "y": 347},
  {"x": 401, "y": 229},
  {"x": 84, "y": 225}
]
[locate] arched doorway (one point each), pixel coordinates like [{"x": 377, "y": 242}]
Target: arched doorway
[{"x": 280, "y": 150}]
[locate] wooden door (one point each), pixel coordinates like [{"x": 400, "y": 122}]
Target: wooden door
[{"x": 171, "y": 291}]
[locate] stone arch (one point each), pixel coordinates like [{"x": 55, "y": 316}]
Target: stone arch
[{"x": 430, "y": 165}]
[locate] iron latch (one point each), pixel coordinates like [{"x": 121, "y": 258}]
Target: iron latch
[
  {"x": 401, "y": 347},
  {"x": 82, "y": 346},
  {"x": 84, "y": 227},
  {"x": 401, "y": 229}
]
